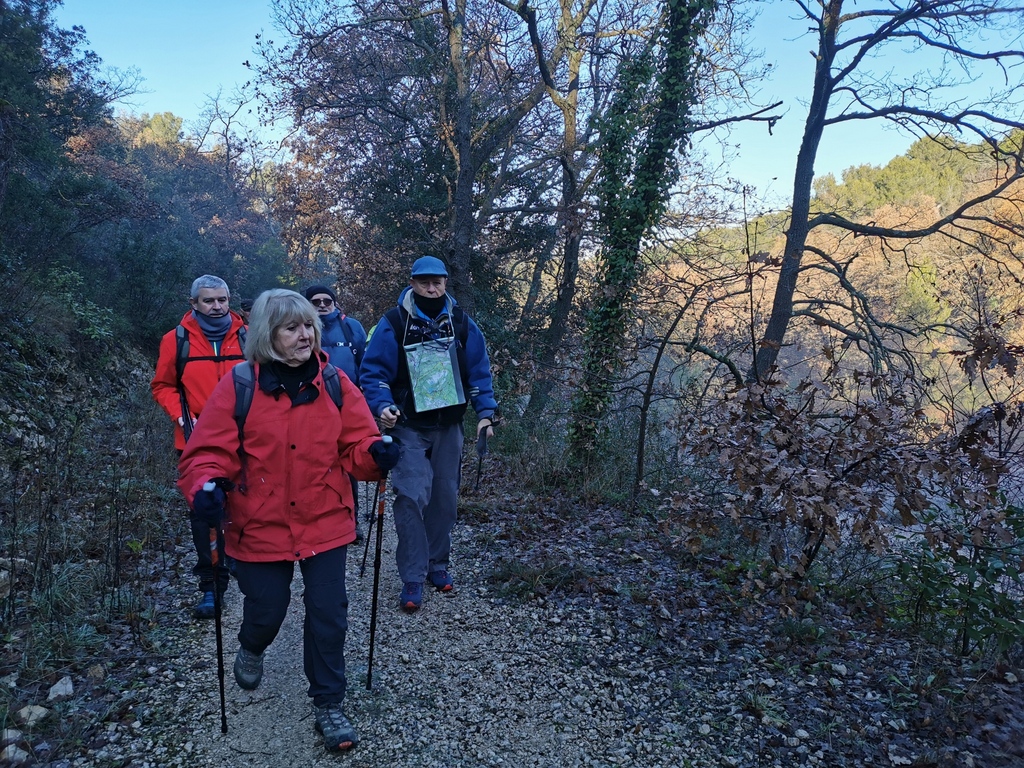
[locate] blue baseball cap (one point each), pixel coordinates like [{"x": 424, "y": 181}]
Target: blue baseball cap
[{"x": 428, "y": 266}]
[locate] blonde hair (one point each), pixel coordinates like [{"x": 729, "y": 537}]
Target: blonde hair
[{"x": 271, "y": 310}]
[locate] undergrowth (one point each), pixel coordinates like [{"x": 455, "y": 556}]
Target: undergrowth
[{"x": 86, "y": 504}]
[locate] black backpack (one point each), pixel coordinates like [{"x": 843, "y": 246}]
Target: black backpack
[
  {"x": 181, "y": 337},
  {"x": 243, "y": 376}
]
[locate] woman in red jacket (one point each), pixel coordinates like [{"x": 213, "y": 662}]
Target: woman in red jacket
[{"x": 288, "y": 465}]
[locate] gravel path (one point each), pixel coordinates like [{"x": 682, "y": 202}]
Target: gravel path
[
  {"x": 469, "y": 680},
  {"x": 619, "y": 655},
  {"x": 472, "y": 679}
]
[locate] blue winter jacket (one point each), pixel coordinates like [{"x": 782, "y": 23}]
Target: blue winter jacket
[
  {"x": 384, "y": 376},
  {"x": 345, "y": 351}
]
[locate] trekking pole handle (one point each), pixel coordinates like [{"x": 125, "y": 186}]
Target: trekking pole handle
[
  {"x": 219, "y": 482},
  {"x": 384, "y": 439}
]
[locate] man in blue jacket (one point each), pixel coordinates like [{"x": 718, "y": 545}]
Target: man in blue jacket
[
  {"x": 342, "y": 337},
  {"x": 344, "y": 340},
  {"x": 425, "y": 362}
]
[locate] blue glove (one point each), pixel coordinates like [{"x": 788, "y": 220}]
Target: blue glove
[
  {"x": 209, "y": 506},
  {"x": 386, "y": 454}
]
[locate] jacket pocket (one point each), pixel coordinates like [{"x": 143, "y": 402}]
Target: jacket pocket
[{"x": 247, "y": 511}]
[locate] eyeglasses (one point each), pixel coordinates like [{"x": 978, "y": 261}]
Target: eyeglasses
[{"x": 321, "y": 302}]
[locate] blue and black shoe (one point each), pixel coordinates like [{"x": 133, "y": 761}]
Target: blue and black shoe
[
  {"x": 441, "y": 580},
  {"x": 205, "y": 608},
  {"x": 411, "y": 597}
]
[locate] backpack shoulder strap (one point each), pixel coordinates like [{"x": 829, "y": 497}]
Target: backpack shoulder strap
[
  {"x": 332, "y": 383},
  {"x": 397, "y": 323},
  {"x": 347, "y": 330},
  {"x": 461, "y": 326},
  {"x": 183, "y": 354},
  {"x": 244, "y": 377},
  {"x": 182, "y": 350}
]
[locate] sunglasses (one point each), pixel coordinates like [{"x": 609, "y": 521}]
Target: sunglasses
[{"x": 321, "y": 302}]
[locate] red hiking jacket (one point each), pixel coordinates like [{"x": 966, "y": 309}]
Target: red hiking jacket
[
  {"x": 298, "y": 496},
  {"x": 199, "y": 377}
]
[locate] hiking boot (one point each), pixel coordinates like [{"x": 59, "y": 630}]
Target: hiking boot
[
  {"x": 248, "y": 669},
  {"x": 412, "y": 596},
  {"x": 205, "y": 608},
  {"x": 441, "y": 580},
  {"x": 339, "y": 734}
]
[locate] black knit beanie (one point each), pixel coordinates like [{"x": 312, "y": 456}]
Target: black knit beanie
[{"x": 313, "y": 290}]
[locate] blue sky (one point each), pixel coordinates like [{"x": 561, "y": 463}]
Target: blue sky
[{"x": 187, "y": 50}]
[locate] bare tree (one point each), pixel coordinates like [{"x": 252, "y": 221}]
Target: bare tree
[
  {"x": 418, "y": 105},
  {"x": 939, "y": 49}
]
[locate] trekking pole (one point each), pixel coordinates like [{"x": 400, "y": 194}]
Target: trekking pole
[
  {"x": 187, "y": 426},
  {"x": 381, "y": 501},
  {"x": 369, "y": 532},
  {"x": 481, "y": 451},
  {"x": 215, "y": 558}
]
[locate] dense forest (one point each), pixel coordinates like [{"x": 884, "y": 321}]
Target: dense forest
[{"x": 830, "y": 394}]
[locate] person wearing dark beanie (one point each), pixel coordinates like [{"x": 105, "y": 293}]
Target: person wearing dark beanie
[
  {"x": 344, "y": 341},
  {"x": 313, "y": 290},
  {"x": 424, "y": 363}
]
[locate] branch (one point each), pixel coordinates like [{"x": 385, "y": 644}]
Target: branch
[
  {"x": 757, "y": 116},
  {"x": 835, "y": 220},
  {"x": 718, "y": 357},
  {"x": 958, "y": 120}
]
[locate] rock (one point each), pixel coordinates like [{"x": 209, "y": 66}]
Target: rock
[
  {"x": 32, "y": 714},
  {"x": 62, "y": 689},
  {"x": 13, "y": 755},
  {"x": 9, "y": 736}
]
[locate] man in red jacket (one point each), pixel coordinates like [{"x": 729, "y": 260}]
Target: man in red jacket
[{"x": 194, "y": 356}]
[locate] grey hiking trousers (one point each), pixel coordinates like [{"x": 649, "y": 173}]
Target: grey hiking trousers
[{"x": 426, "y": 485}]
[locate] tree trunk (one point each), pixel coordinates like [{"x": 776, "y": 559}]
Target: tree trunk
[
  {"x": 460, "y": 120},
  {"x": 770, "y": 345}
]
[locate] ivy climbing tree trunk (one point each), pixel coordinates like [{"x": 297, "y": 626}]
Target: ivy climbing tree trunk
[{"x": 640, "y": 137}]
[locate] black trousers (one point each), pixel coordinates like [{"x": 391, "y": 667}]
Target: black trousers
[{"x": 267, "y": 592}]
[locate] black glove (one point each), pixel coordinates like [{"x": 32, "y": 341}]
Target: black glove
[
  {"x": 386, "y": 455},
  {"x": 209, "y": 506}
]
